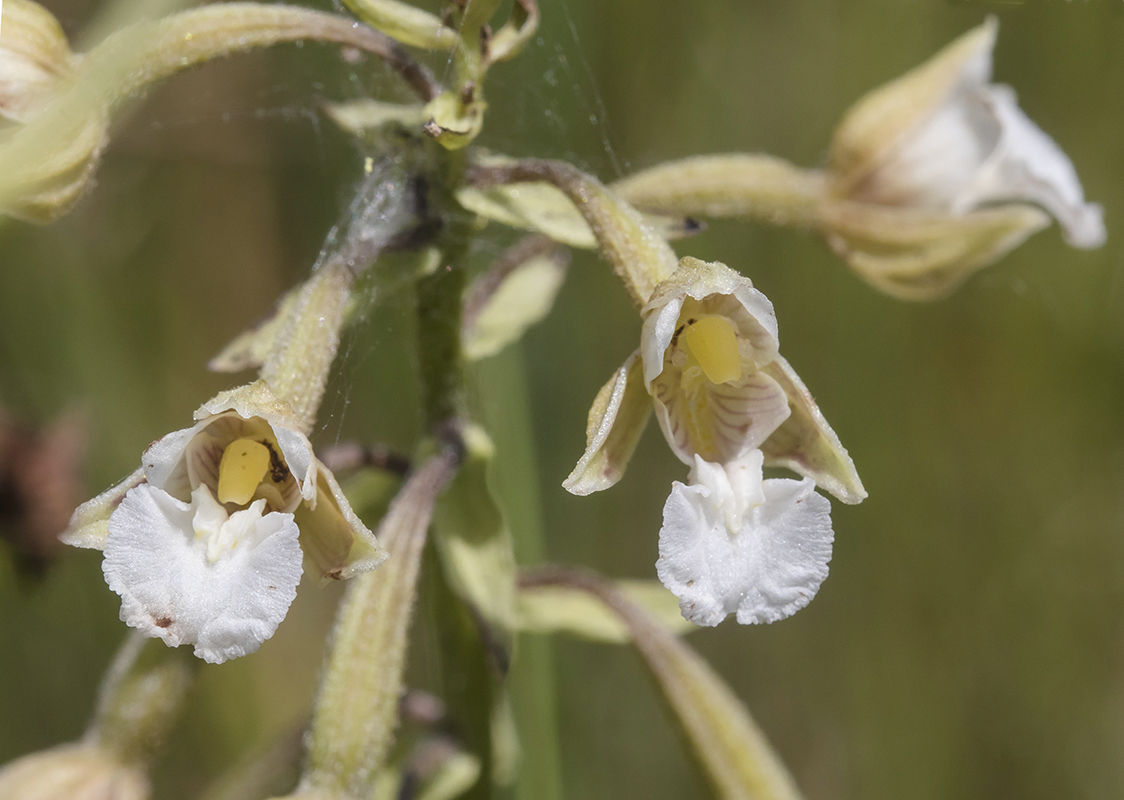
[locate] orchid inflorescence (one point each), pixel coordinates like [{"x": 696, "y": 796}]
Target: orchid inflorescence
[{"x": 928, "y": 179}]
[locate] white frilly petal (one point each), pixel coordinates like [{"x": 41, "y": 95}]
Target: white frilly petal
[
  {"x": 767, "y": 568},
  {"x": 170, "y": 588}
]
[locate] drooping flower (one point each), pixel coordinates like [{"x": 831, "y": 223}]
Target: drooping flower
[
  {"x": 727, "y": 404},
  {"x": 942, "y": 137},
  {"x": 930, "y": 178},
  {"x": 202, "y": 541}
]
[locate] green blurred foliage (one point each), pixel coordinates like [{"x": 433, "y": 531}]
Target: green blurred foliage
[{"x": 969, "y": 642}]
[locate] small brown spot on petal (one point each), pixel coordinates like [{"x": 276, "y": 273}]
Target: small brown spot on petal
[{"x": 163, "y": 622}]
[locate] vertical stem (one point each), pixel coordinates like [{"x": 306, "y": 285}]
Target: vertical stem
[{"x": 439, "y": 307}]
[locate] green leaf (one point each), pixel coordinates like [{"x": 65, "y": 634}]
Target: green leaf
[{"x": 523, "y": 297}]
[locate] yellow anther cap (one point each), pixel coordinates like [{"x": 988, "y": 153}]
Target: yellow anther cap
[
  {"x": 714, "y": 344},
  {"x": 244, "y": 464}
]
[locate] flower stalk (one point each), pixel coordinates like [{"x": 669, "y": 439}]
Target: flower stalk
[
  {"x": 140, "y": 699},
  {"x": 729, "y": 748},
  {"x": 748, "y": 186},
  {"x": 297, "y": 368},
  {"x": 639, "y": 255},
  {"x": 357, "y": 709}
]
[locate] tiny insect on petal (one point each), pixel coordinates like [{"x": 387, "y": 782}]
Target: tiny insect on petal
[{"x": 243, "y": 466}]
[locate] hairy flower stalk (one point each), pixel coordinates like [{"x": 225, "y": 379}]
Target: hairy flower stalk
[
  {"x": 63, "y": 102},
  {"x": 140, "y": 699},
  {"x": 357, "y": 709},
  {"x": 731, "y": 751},
  {"x": 205, "y": 542},
  {"x": 640, "y": 256}
]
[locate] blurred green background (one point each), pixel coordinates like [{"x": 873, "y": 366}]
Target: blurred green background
[{"x": 969, "y": 642}]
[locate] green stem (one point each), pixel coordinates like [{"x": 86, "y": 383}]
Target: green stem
[
  {"x": 140, "y": 698},
  {"x": 439, "y": 299},
  {"x": 752, "y": 186},
  {"x": 639, "y": 255},
  {"x": 357, "y": 708}
]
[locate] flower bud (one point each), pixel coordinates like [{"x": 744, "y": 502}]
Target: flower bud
[{"x": 72, "y": 772}]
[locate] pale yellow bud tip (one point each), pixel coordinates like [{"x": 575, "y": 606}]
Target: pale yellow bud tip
[
  {"x": 244, "y": 464},
  {"x": 714, "y": 344}
]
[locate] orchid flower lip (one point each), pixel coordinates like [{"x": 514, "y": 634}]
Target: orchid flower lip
[{"x": 733, "y": 543}]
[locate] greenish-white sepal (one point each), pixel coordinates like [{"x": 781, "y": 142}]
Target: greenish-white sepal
[
  {"x": 523, "y": 298},
  {"x": 913, "y": 254},
  {"x": 878, "y": 122},
  {"x": 509, "y": 40},
  {"x": 249, "y": 349},
  {"x": 806, "y": 444},
  {"x": 72, "y": 771},
  {"x": 456, "y": 775},
  {"x": 362, "y": 116},
  {"x": 89, "y": 525},
  {"x": 616, "y": 420},
  {"x": 544, "y": 208},
  {"x": 562, "y": 609},
  {"x": 335, "y": 542},
  {"x": 404, "y": 22},
  {"x": 473, "y": 539}
]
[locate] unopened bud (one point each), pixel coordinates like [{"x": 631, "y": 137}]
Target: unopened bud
[{"x": 72, "y": 772}]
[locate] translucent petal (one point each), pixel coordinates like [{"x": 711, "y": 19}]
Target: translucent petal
[
  {"x": 170, "y": 589},
  {"x": 1028, "y": 165}
]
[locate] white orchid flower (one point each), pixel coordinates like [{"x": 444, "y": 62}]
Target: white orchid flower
[
  {"x": 727, "y": 404},
  {"x": 944, "y": 138},
  {"x": 205, "y": 542}
]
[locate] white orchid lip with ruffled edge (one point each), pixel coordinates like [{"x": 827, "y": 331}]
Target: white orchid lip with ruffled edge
[
  {"x": 732, "y": 543},
  {"x": 707, "y": 335},
  {"x": 205, "y": 543},
  {"x": 191, "y": 573},
  {"x": 944, "y": 138}
]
